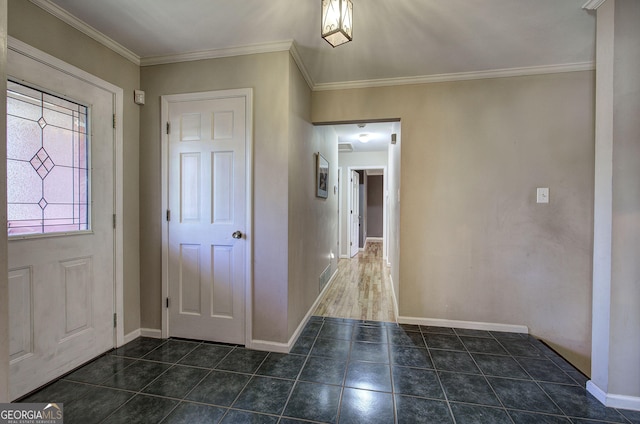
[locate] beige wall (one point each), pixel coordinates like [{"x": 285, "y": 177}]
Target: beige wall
[
  {"x": 294, "y": 232},
  {"x": 41, "y": 30},
  {"x": 312, "y": 221},
  {"x": 4, "y": 289},
  {"x": 475, "y": 245},
  {"x": 267, "y": 74}
]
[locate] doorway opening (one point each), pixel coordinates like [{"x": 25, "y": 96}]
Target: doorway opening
[{"x": 369, "y": 187}]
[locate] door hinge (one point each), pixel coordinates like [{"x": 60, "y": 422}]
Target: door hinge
[
  {"x": 168, "y": 127},
  {"x": 115, "y": 320},
  {"x": 168, "y": 215},
  {"x": 114, "y": 120},
  {"x": 350, "y": 243},
  {"x": 114, "y": 221},
  {"x": 166, "y": 302}
]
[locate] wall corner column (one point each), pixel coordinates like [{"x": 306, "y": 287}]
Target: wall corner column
[
  {"x": 616, "y": 294},
  {"x": 4, "y": 283}
]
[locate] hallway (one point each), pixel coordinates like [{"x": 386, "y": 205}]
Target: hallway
[{"x": 362, "y": 288}]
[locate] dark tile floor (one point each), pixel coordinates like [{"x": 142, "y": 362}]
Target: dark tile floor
[{"x": 340, "y": 371}]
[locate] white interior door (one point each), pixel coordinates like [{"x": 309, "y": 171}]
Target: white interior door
[
  {"x": 355, "y": 213},
  {"x": 61, "y": 285},
  {"x": 207, "y": 204}
]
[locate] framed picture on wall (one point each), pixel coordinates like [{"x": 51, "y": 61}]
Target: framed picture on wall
[{"x": 322, "y": 176}]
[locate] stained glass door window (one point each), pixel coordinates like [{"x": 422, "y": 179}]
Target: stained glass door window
[{"x": 47, "y": 163}]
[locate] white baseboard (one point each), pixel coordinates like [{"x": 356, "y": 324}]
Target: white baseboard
[
  {"x": 373, "y": 239},
  {"x": 142, "y": 332},
  {"x": 131, "y": 336},
  {"x": 286, "y": 347},
  {"x": 469, "y": 325},
  {"x": 394, "y": 299},
  {"x": 270, "y": 346},
  {"x": 613, "y": 400},
  {"x": 151, "y": 332},
  {"x": 345, "y": 257},
  {"x": 597, "y": 392}
]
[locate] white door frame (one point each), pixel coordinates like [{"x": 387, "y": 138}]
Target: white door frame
[
  {"x": 340, "y": 208},
  {"x": 247, "y": 93},
  {"x": 118, "y": 107},
  {"x": 385, "y": 235},
  {"x": 354, "y": 245}
]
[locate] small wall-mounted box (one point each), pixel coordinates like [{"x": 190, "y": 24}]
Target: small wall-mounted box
[{"x": 138, "y": 97}]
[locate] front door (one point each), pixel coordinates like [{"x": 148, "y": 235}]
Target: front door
[
  {"x": 60, "y": 190},
  {"x": 355, "y": 213},
  {"x": 207, "y": 215}
]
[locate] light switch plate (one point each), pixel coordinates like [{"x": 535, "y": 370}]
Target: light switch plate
[{"x": 542, "y": 195}]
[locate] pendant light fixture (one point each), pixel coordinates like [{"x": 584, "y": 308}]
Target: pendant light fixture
[{"x": 337, "y": 21}]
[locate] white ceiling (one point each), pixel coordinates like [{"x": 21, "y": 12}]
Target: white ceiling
[
  {"x": 392, "y": 38},
  {"x": 379, "y": 136}
]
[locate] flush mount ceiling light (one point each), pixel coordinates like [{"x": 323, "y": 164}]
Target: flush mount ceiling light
[
  {"x": 337, "y": 20},
  {"x": 364, "y": 138}
]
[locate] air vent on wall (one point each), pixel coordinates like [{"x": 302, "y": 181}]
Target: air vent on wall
[{"x": 345, "y": 147}]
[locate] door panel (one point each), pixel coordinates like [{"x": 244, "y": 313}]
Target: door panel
[
  {"x": 20, "y": 313},
  {"x": 206, "y": 184},
  {"x": 62, "y": 285}
]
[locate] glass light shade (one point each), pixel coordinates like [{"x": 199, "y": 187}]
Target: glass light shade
[{"x": 337, "y": 21}]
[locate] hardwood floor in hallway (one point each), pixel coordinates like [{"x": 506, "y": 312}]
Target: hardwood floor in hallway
[{"x": 361, "y": 289}]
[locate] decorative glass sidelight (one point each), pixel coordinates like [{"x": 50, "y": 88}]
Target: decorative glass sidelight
[{"x": 47, "y": 163}]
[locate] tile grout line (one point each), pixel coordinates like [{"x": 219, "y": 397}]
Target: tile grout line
[
  {"x": 393, "y": 388},
  {"x": 504, "y": 408},
  {"x": 537, "y": 383},
  {"x": 229, "y": 408},
  {"x": 136, "y": 393},
  {"x": 297, "y": 380},
  {"x": 435, "y": 371}
]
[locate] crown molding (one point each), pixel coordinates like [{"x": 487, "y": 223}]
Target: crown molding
[
  {"x": 462, "y": 76},
  {"x": 593, "y": 4},
  {"x": 291, "y": 46},
  {"x": 295, "y": 53},
  {"x": 81, "y": 26},
  {"x": 278, "y": 46}
]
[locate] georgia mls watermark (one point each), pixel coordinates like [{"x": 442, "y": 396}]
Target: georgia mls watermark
[{"x": 31, "y": 413}]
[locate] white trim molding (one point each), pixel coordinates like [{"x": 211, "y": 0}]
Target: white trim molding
[
  {"x": 394, "y": 299},
  {"x": 461, "y": 76},
  {"x": 469, "y": 325},
  {"x": 278, "y": 46},
  {"x": 295, "y": 53},
  {"x": 593, "y": 4},
  {"x": 143, "y": 332},
  {"x": 86, "y": 29},
  {"x": 151, "y": 332},
  {"x": 613, "y": 400},
  {"x": 286, "y": 347}
]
